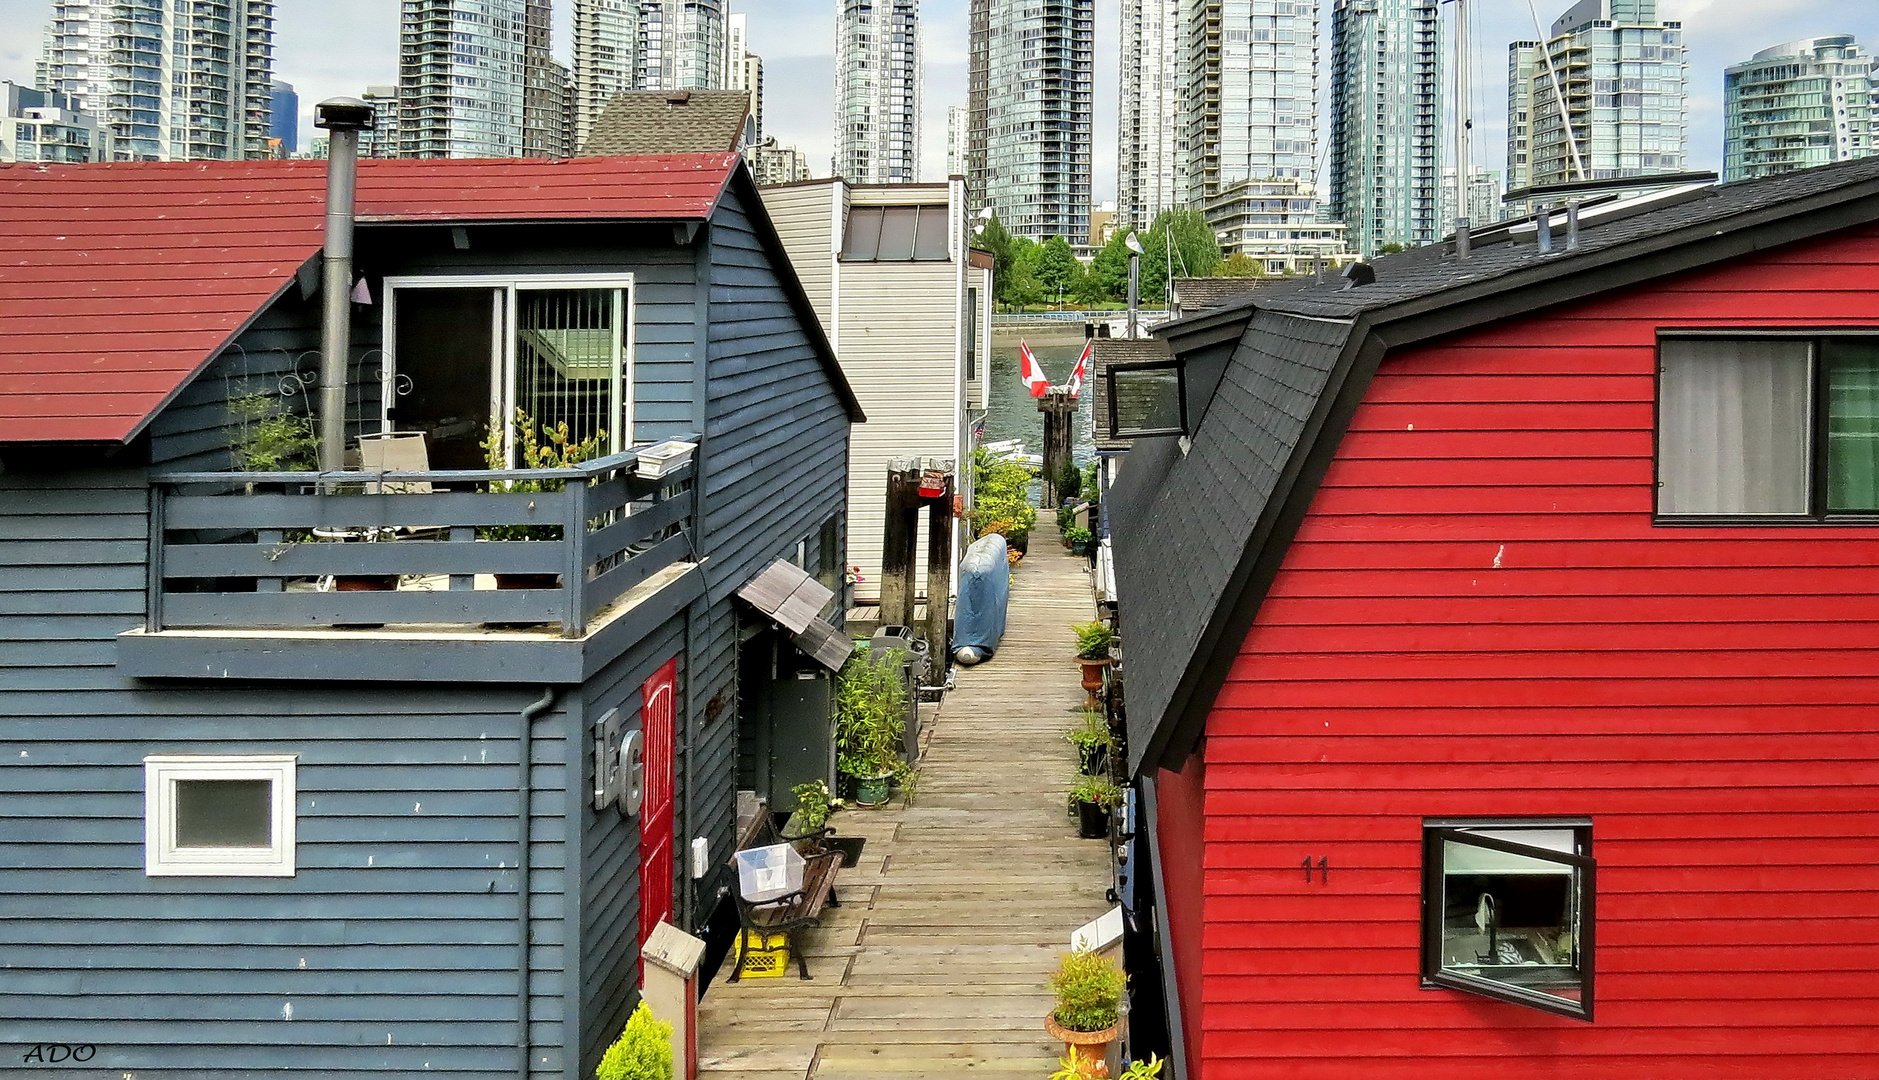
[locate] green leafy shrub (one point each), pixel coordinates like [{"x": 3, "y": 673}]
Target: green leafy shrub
[
  {"x": 871, "y": 714},
  {"x": 1089, "y": 991},
  {"x": 1094, "y": 640},
  {"x": 271, "y": 440},
  {"x": 1095, "y": 789},
  {"x": 1069, "y": 482},
  {"x": 643, "y": 1052},
  {"x": 1077, "y": 534},
  {"x": 1001, "y": 499},
  {"x": 1091, "y": 733},
  {"x": 813, "y": 807},
  {"x": 534, "y": 449}
]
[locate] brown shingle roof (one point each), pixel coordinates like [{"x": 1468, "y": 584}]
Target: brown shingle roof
[{"x": 670, "y": 122}]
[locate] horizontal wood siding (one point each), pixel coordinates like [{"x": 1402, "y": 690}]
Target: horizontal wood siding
[
  {"x": 1478, "y": 618},
  {"x": 392, "y": 951},
  {"x": 900, "y": 341},
  {"x": 804, "y": 216},
  {"x": 774, "y": 471},
  {"x": 609, "y": 931}
]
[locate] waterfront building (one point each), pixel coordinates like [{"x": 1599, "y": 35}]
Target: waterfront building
[
  {"x": 1250, "y": 108},
  {"x": 1484, "y": 198},
  {"x": 1278, "y": 223},
  {"x": 380, "y": 140},
  {"x": 774, "y": 164},
  {"x": 956, "y": 138},
  {"x": 1032, "y": 81},
  {"x": 1149, "y": 102},
  {"x": 36, "y": 125},
  {"x": 284, "y": 117},
  {"x": 743, "y": 69},
  {"x": 877, "y": 91},
  {"x": 681, "y": 45},
  {"x": 461, "y": 76},
  {"x": 606, "y": 58},
  {"x": 1624, "y": 80},
  {"x": 1387, "y": 73},
  {"x": 173, "y": 82},
  {"x": 1797, "y": 105}
]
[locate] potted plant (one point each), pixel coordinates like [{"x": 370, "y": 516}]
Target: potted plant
[
  {"x": 1088, "y": 1013},
  {"x": 1093, "y": 643},
  {"x": 814, "y": 804},
  {"x": 1093, "y": 741},
  {"x": 870, "y": 721},
  {"x": 643, "y": 1051},
  {"x": 534, "y": 449},
  {"x": 1079, "y": 539},
  {"x": 1094, "y": 798},
  {"x": 1081, "y": 1065}
]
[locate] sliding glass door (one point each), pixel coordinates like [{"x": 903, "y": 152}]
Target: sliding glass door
[{"x": 468, "y": 356}]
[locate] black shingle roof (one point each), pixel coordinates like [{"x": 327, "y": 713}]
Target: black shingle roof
[
  {"x": 1199, "y": 535},
  {"x": 1116, "y": 351}
]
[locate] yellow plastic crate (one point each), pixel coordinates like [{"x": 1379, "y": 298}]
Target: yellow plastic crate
[{"x": 766, "y": 956}]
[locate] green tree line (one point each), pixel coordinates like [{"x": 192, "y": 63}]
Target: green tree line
[{"x": 1028, "y": 274}]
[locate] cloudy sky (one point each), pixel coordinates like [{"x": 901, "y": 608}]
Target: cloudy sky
[{"x": 328, "y": 47}]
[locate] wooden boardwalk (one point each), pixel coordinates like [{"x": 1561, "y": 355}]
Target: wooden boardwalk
[{"x": 935, "y": 965}]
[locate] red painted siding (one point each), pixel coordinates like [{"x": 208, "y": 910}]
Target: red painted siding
[
  {"x": 1180, "y": 809},
  {"x": 1478, "y": 618}
]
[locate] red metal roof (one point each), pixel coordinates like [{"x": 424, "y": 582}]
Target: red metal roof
[{"x": 119, "y": 282}]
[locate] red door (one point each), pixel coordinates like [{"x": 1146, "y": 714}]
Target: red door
[{"x": 655, "y": 816}]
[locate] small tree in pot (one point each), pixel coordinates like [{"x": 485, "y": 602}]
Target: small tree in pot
[
  {"x": 870, "y": 722},
  {"x": 1089, "y": 991}
]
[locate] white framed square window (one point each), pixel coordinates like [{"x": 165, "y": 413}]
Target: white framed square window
[{"x": 219, "y": 815}]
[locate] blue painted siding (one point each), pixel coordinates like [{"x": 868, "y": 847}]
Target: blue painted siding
[{"x": 392, "y": 949}]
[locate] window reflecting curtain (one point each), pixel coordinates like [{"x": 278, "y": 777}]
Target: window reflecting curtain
[
  {"x": 1733, "y": 427},
  {"x": 1852, "y": 425}
]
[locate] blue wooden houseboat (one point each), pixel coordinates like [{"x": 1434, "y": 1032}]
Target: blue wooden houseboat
[{"x": 299, "y": 772}]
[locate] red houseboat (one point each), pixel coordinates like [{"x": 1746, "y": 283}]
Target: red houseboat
[{"x": 1502, "y": 652}]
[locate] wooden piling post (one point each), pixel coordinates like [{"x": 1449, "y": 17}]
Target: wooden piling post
[
  {"x": 897, "y": 540},
  {"x": 939, "y": 564},
  {"x": 1059, "y": 410}
]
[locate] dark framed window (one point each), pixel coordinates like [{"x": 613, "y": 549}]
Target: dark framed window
[
  {"x": 1508, "y": 911},
  {"x": 1146, "y": 399},
  {"x": 1767, "y": 430},
  {"x": 897, "y": 234},
  {"x": 972, "y": 332}
]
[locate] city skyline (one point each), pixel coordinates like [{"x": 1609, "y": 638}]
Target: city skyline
[{"x": 333, "y": 47}]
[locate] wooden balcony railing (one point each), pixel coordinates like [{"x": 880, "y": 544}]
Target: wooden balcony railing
[{"x": 502, "y": 550}]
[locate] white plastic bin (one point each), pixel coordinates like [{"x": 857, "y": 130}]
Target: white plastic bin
[
  {"x": 765, "y": 873},
  {"x": 657, "y": 460}
]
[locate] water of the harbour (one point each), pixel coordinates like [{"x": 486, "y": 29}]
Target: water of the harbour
[{"x": 1014, "y": 412}]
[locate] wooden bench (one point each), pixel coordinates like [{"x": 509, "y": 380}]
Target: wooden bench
[{"x": 796, "y": 911}]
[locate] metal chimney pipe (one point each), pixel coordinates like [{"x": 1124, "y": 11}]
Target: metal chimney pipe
[
  {"x": 1572, "y": 225},
  {"x": 343, "y": 118},
  {"x": 1543, "y": 218}
]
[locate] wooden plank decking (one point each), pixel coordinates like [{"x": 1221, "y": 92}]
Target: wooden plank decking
[{"x": 935, "y": 965}]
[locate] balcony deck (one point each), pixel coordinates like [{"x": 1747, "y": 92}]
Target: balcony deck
[{"x": 270, "y": 575}]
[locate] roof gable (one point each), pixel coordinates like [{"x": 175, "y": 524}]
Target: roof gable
[
  {"x": 1194, "y": 559},
  {"x": 123, "y": 280}
]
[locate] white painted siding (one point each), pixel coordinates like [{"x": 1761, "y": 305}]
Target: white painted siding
[{"x": 805, "y": 219}]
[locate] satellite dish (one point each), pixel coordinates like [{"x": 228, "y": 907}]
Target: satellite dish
[{"x": 633, "y": 772}]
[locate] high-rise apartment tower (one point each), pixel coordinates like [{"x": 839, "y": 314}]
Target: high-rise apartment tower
[
  {"x": 681, "y": 45},
  {"x": 1032, "y": 86},
  {"x": 1623, "y": 79},
  {"x": 1797, "y": 105},
  {"x": 606, "y": 58},
  {"x": 547, "y": 93},
  {"x": 1149, "y": 164},
  {"x": 1250, "y": 93},
  {"x": 877, "y": 91},
  {"x": 1387, "y": 68},
  {"x": 172, "y": 81},
  {"x": 743, "y": 69},
  {"x": 461, "y": 74}
]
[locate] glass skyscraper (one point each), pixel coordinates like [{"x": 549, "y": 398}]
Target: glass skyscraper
[
  {"x": 460, "y": 78},
  {"x": 1149, "y": 165},
  {"x": 1797, "y": 105},
  {"x": 681, "y": 45},
  {"x": 1031, "y": 83},
  {"x": 1387, "y": 71},
  {"x": 1251, "y": 92},
  {"x": 1624, "y": 80},
  {"x": 172, "y": 82},
  {"x": 606, "y": 58},
  {"x": 877, "y": 91}
]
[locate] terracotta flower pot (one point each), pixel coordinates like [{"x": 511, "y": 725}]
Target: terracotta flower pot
[
  {"x": 1091, "y": 1047},
  {"x": 1092, "y": 678}
]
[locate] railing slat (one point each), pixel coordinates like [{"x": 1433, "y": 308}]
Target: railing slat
[
  {"x": 419, "y": 511},
  {"x": 388, "y": 557},
  {"x": 630, "y": 530},
  {"x": 611, "y": 585},
  {"x": 404, "y": 606}
]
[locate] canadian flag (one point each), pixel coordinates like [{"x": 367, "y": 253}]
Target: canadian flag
[
  {"x": 1031, "y": 372},
  {"x": 1082, "y": 370}
]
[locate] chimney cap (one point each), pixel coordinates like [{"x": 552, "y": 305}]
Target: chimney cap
[
  {"x": 678, "y": 97},
  {"x": 344, "y": 114},
  {"x": 1359, "y": 273}
]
